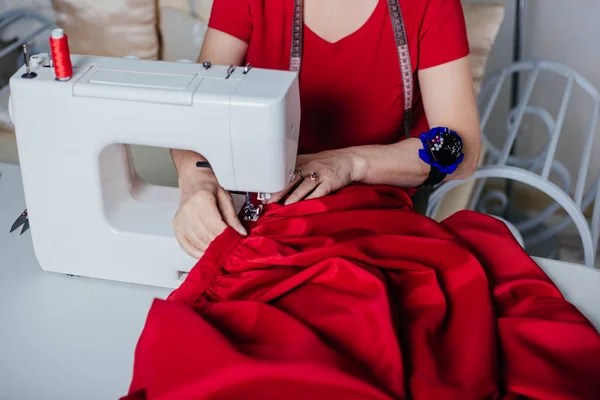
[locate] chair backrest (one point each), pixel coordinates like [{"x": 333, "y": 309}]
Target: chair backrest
[{"x": 554, "y": 125}]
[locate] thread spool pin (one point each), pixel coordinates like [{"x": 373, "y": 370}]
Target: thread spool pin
[{"x": 28, "y": 74}]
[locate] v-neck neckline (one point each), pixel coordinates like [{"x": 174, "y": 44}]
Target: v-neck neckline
[{"x": 350, "y": 35}]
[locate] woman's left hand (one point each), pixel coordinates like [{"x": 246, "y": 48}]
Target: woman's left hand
[{"x": 319, "y": 174}]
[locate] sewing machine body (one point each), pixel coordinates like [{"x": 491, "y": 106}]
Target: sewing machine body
[{"x": 90, "y": 213}]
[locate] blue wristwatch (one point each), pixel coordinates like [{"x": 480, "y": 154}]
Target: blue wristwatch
[{"x": 443, "y": 151}]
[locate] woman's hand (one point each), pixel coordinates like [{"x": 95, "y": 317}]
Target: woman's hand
[
  {"x": 320, "y": 174},
  {"x": 205, "y": 210}
]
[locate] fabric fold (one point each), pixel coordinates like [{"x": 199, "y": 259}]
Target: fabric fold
[{"x": 356, "y": 296}]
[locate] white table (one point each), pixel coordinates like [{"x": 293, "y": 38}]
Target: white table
[
  {"x": 68, "y": 338},
  {"x": 61, "y": 337}
]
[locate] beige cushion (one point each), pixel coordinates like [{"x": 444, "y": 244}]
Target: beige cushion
[
  {"x": 200, "y": 8},
  {"x": 115, "y": 28},
  {"x": 483, "y": 23}
]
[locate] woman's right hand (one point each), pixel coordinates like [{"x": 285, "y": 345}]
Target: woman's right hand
[{"x": 205, "y": 210}]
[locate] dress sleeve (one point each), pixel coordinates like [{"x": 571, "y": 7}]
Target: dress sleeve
[
  {"x": 442, "y": 34},
  {"x": 232, "y": 17}
]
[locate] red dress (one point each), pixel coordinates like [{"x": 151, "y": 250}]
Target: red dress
[
  {"x": 354, "y": 295},
  {"x": 351, "y": 90}
]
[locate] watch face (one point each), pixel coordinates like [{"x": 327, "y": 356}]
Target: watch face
[{"x": 446, "y": 147}]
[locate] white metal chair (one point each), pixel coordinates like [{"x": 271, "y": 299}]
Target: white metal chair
[{"x": 535, "y": 170}]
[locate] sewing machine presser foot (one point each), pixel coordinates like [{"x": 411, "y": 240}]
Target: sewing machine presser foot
[{"x": 252, "y": 212}]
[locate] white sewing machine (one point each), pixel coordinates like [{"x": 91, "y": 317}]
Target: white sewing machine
[{"x": 91, "y": 215}]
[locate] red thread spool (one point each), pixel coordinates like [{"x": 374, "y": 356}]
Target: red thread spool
[{"x": 61, "y": 56}]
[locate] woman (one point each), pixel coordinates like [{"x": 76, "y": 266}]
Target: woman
[
  {"x": 352, "y": 98},
  {"x": 368, "y": 300}
]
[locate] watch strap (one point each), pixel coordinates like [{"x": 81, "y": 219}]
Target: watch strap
[{"x": 435, "y": 176}]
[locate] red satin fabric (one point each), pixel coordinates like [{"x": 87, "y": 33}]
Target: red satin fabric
[{"x": 355, "y": 296}]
